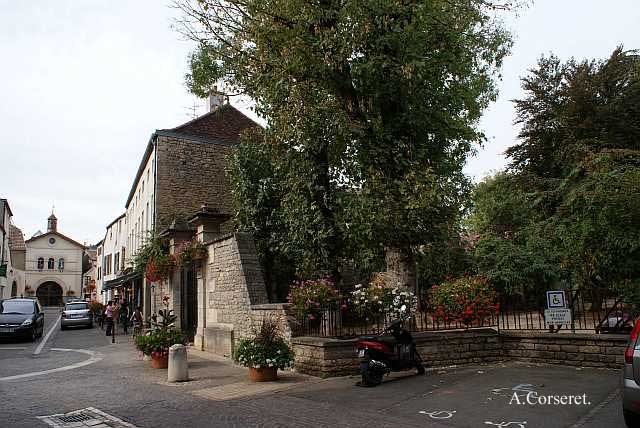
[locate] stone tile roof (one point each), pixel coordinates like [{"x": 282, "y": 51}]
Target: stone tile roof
[
  {"x": 225, "y": 123},
  {"x": 16, "y": 238}
]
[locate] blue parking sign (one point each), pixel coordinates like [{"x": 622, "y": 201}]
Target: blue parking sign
[{"x": 555, "y": 299}]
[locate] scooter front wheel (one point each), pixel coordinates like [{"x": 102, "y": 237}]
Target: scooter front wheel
[{"x": 370, "y": 377}]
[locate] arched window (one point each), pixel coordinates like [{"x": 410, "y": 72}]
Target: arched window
[
  {"x": 51, "y": 264},
  {"x": 40, "y": 263},
  {"x": 60, "y": 264}
]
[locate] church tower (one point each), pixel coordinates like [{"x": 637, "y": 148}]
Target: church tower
[{"x": 52, "y": 223}]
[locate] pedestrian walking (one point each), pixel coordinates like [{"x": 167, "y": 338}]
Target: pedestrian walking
[
  {"x": 124, "y": 316},
  {"x": 108, "y": 317}
]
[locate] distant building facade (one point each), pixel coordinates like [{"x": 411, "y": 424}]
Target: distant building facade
[{"x": 53, "y": 266}]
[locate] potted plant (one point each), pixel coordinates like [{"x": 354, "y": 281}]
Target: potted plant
[
  {"x": 157, "y": 342},
  {"x": 266, "y": 352}
]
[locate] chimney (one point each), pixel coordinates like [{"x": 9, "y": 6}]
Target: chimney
[{"x": 216, "y": 99}]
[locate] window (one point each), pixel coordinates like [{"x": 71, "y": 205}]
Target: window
[
  {"x": 61, "y": 264},
  {"x": 107, "y": 265},
  {"x": 98, "y": 275},
  {"x": 51, "y": 264},
  {"x": 116, "y": 262},
  {"x": 142, "y": 189},
  {"x": 123, "y": 258},
  {"x": 99, "y": 251},
  {"x": 40, "y": 263}
]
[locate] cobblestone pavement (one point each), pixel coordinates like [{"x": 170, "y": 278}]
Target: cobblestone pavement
[{"x": 121, "y": 390}]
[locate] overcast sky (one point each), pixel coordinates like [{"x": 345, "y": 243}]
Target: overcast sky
[{"x": 84, "y": 83}]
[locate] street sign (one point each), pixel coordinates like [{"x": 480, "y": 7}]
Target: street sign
[
  {"x": 555, "y": 299},
  {"x": 557, "y": 316}
]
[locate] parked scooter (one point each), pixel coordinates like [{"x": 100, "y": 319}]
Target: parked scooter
[{"x": 382, "y": 355}]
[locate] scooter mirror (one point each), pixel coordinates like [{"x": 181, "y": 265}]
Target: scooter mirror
[{"x": 403, "y": 308}]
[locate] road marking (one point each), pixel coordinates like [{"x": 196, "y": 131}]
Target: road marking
[
  {"x": 94, "y": 358},
  {"x": 42, "y": 343},
  {"x": 12, "y": 349},
  {"x": 440, "y": 414}
]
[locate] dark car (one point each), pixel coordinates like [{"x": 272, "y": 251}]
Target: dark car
[{"x": 21, "y": 318}]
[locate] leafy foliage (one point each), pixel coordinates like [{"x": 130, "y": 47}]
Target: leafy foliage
[
  {"x": 309, "y": 298},
  {"x": 371, "y": 107},
  {"x": 153, "y": 259},
  {"x": 468, "y": 300},
  {"x": 568, "y": 211}
]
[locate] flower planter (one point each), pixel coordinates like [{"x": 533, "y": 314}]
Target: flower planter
[
  {"x": 263, "y": 374},
  {"x": 160, "y": 361}
]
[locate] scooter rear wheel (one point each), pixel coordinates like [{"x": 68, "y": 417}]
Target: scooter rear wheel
[{"x": 370, "y": 377}]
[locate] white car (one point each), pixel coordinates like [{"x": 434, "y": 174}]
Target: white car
[{"x": 76, "y": 313}]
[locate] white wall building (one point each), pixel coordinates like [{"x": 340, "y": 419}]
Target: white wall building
[
  {"x": 5, "y": 253},
  {"x": 112, "y": 256},
  {"x": 53, "y": 266}
]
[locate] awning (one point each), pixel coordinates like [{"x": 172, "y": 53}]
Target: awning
[{"x": 120, "y": 281}]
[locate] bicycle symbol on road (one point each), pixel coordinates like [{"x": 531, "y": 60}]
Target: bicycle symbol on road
[
  {"x": 439, "y": 414},
  {"x": 507, "y": 424}
]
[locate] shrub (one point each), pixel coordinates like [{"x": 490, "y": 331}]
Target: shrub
[
  {"x": 309, "y": 298},
  {"x": 379, "y": 298},
  {"x": 468, "y": 300}
]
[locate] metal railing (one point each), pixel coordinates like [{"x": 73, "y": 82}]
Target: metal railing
[{"x": 593, "y": 311}]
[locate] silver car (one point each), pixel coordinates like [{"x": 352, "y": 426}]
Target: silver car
[
  {"x": 631, "y": 379},
  {"x": 76, "y": 313}
]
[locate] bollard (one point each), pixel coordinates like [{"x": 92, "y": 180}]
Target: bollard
[{"x": 178, "y": 365}]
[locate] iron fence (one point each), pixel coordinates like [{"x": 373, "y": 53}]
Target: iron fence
[{"x": 595, "y": 310}]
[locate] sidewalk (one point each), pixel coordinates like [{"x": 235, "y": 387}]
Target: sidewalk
[{"x": 211, "y": 376}]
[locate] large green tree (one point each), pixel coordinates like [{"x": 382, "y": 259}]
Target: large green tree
[
  {"x": 371, "y": 109},
  {"x": 570, "y": 198}
]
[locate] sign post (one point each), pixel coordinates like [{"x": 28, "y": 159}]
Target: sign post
[{"x": 557, "y": 312}]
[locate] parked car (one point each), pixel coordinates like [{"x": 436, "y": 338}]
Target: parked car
[
  {"x": 631, "y": 379},
  {"x": 21, "y": 318},
  {"x": 76, "y": 313}
]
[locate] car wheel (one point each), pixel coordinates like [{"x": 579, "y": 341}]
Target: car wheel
[
  {"x": 34, "y": 334},
  {"x": 90, "y": 325},
  {"x": 632, "y": 420},
  {"x": 62, "y": 327}
]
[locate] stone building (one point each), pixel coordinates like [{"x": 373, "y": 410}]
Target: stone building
[
  {"x": 182, "y": 169},
  {"x": 53, "y": 266},
  {"x": 18, "y": 252}
]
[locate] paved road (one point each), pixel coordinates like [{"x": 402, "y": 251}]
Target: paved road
[{"x": 110, "y": 380}]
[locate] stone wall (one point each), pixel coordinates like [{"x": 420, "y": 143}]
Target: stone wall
[
  {"x": 236, "y": 296},
  {"x": 325, "y": 357},
  {"x": 190, "y": 173},
  {"x": 585, "y": 350},
  {"x": 333, "y": 357}
]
